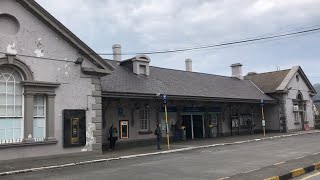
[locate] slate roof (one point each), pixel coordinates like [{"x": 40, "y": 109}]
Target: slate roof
[
  {"x": 179, "y": 83},
  {"x": 268, "y": 82}
]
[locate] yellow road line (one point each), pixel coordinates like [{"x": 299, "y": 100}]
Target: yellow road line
[
  {"x": 297, "y": 172},
  {"x": 273, "y": 178},
  {"x": 308, "y": 177}
]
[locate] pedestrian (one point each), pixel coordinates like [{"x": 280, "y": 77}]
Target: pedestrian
[
  {"x": 158, "y": 133},
  {"x": 249, "y": 126},
  {"x": 113, "y": 136}
]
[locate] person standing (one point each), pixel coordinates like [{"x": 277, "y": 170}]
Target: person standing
[
  {"x": 113, "y": 136},
  {"x": 158, "y": 133},
  {"x": 249, "y": 126}
]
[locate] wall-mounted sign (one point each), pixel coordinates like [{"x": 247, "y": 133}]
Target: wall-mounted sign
[
  {"x": 215, "y": 109},
  {"x": 194, "y": 109},
  {"x": 120, "y": 112},
  {"x": 296, "y": 108},
  {"x": 74, "y": 128},
  {"x": 124, "y": 129},
  {"x": 169, "y": 109}
]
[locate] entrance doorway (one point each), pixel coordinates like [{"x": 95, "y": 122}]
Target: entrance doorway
[{"x": 194, "y": 126}]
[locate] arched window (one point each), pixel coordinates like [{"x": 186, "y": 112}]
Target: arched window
[{"x": 11, "y": 104}]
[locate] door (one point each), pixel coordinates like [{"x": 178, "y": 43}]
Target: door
[
  {"x": 197, "y": 126},
  {"x": 186, "y": 122}
]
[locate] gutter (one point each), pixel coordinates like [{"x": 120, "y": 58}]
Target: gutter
[{"x": 178, "y": 97}]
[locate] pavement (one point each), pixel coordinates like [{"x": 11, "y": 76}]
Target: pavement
[{"x": 198, "y": 159}]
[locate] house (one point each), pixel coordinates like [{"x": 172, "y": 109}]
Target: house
[
  {"x": 50, "y": 93},
  {"x": 294, "y": 93},
  {"x": 206, "y": 105}
]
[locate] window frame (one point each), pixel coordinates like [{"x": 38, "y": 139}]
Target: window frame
[
  {"x": 145, "y": 120},
  {"x": 37, "y": 116},
  {"x": 13, "y": 117}
]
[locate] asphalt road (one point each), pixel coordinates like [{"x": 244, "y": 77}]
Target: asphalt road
[{"x": 209, "y": 163}]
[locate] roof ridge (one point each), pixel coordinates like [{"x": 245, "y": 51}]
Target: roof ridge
[
  {"x": 183, "y": 71},
  {"x": 268, "y": 72}
]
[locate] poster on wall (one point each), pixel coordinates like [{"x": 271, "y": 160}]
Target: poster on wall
[
  {"x": 74, "y": 128},
  {"x": 124, "y": 129}
]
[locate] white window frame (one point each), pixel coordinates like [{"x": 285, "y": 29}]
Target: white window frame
[
  {"x": 14, "y": 117},
  {"x": 144, "y": 119},
  {"x": 44, "y": 116}
]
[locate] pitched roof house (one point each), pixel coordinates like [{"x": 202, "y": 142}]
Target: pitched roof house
[{"x": 293, "y": 90}]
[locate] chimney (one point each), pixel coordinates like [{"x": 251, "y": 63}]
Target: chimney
[
  {"x": 189, "y": 65},
  {"x": 116, "y": 52},
  {"x": 237, "y": 70}
]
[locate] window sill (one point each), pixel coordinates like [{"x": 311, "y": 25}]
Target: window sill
[
  {"x": 24, "y": 144},
  {"x": 145, "y": 132}
]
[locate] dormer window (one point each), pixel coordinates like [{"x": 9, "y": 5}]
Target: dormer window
[
  {"x": 139, "y": 65},
  {"x": 143, "y": 69}
]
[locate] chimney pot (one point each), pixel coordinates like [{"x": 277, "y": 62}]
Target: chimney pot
[
  {"x": 189, "y": 65},
  {"x": 116, "y": 52},
  {"x": 237, "y": 70}
]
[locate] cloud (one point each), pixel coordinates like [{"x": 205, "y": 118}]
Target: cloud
[{"x": 148, "y": 25}]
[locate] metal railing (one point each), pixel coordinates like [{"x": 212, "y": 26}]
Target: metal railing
[{"x": 17, "y": 141}]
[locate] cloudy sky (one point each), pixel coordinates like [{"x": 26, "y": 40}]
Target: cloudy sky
[{"x": 147, "y": 25}]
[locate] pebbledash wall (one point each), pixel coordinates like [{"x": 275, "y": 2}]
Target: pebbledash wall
[{"x": 69, "y": 88}]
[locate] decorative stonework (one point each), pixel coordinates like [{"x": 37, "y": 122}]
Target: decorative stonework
[
  {"x": 97, "y": 119},
  {"x": 89, "y": 137}
]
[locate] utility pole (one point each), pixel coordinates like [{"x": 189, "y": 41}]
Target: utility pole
[{"x": 164, "y": 99}]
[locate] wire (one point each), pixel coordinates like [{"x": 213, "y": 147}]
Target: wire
[
  {"x": 271, "y": 37},
  {"x": 52, "y": 59},
  {"x": 247, "y": 41}
]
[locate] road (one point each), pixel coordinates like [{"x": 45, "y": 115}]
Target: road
[{"x": 209, "y": 163}]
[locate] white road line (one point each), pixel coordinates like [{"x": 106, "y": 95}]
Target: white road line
[
  {"x": 252, "y": 170},
  {"x": 299, "y": 157},
  {"x": 279, "y": 163},
  {"x": 138, "y": 155},
  {"x": 308, "y": 177}
]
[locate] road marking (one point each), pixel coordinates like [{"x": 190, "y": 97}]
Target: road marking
[
  {"x": 223, "y": 178},
  {"x": 299, "y": 157},
  {"x": 252, "y": 170},
  {"x": 308, "y": 177},
  {"x": 278, "y": 163}
]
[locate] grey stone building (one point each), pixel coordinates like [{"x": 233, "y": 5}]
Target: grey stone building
[
  {"x": 206, "y": 105},
  {"x": 294, "y": 93},
  {"x": 46, "y": 75}
]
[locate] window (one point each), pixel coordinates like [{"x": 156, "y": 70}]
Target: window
[
  {"x": 144, "y": 120},
  {"x": 11, "y": 105},
  {"x": 297, "y": 77},
  {"x": 143, "y": 69},
  {"x": 39, "y": 117}
]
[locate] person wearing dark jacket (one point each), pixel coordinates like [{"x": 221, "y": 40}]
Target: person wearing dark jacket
[
  {"x": 158, "y": 133},
  {"x": 113, "y": 137}
]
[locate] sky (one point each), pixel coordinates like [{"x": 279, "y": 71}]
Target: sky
[{"x": 149, "y": 25}]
